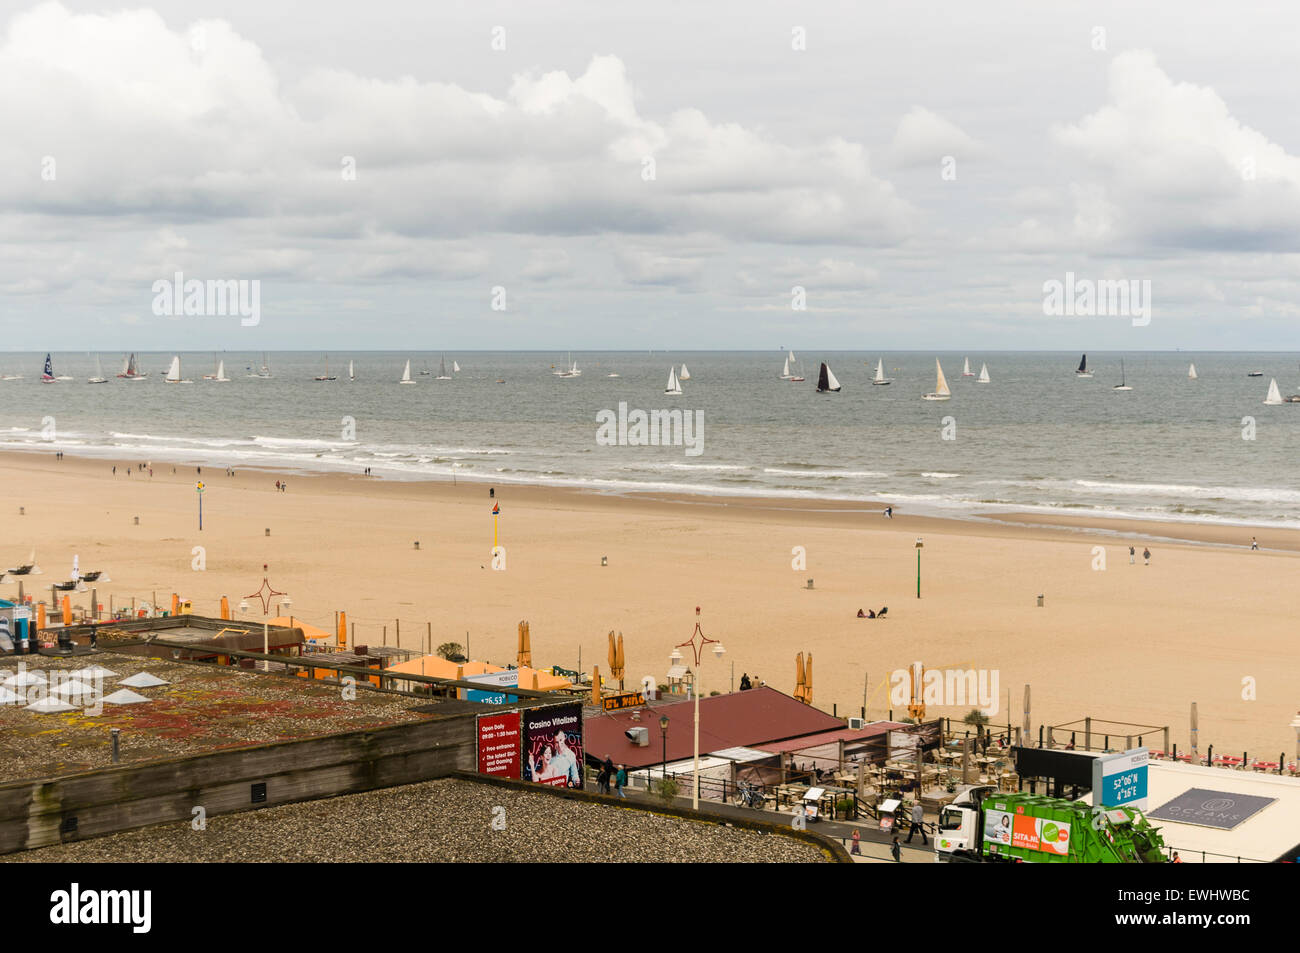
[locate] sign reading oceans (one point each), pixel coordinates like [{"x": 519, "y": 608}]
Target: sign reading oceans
[
  {"x": 498, "y": 744},
  {"x": 553, "y": 745}
]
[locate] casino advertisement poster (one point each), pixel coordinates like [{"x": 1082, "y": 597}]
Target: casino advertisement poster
[
  {"x": 553, "y": 745},
  {"x": 498, "y": 744}
]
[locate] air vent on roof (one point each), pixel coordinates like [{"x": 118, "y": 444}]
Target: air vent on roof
[
  {"x": 259, "y": 792},
  {"x": 639, "y": 736}
]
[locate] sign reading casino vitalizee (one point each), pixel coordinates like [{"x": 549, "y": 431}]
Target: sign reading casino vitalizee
[{"x": 498, "y": 744}]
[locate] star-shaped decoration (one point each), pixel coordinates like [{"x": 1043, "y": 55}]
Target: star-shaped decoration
[
  {"x": 704, "y": 639},
  {"x": 265, "y": 593}
]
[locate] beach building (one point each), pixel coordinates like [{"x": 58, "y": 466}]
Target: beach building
[
  {"x": 542, "y": 680},
  {"x": 736, "y": 720}
]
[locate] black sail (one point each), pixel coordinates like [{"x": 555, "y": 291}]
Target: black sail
[{"x": 823, "y": 384}]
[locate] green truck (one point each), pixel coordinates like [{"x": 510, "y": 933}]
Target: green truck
[{"x": 986, "y": 826}]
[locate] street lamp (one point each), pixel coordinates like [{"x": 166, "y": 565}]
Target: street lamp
[
  {"x": 663, "y": 729},
  {"x": 265, "y": 593},
  {"x": 696, "y": 688},
  {"x": 919, "y": 546}
]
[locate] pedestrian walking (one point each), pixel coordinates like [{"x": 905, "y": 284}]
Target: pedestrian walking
[
  {"x": 1132, "y": 555},
  {"x": 277, "y": 486},
  {"x": 896, "y": 849},
  {"x": 607, "y": 771},
  {"x": 620, "y": 780},
  {"x": 1254, "y": 543},
  {"x": 857, "y": 847},
  {"x": 1146, "y": 555},
  {"x": 918, "y": 823}
]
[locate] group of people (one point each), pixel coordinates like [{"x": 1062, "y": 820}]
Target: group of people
[
  {"x": 609, "y": 773},
  {"x": 281, "y": 485},
  {"x": 1146, "y": 555}
]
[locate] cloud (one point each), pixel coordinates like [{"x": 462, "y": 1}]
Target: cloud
[
  {"x": 923, "y": 138},
  {"x": 1166, "y": 163}
]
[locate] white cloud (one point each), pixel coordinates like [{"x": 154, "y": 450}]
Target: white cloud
[{"x": 924, "y": 138}]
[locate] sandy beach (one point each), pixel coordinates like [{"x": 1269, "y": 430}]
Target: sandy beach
[{"x": 1130, "y": 643}]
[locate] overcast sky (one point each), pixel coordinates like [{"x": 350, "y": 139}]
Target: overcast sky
[{"x": 920, "y": 169}]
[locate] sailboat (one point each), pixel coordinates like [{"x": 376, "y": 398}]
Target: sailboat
[
  {"x": 265, "y": 372},
  {"x": 1191, "y": 373},
  {"x": 174, "y": 372},
  {"x": 674, "y": 386},
  {"x": 1123, "y": 381},
  {"x": 99, "y": 377},
  {"x": 221, "y": 377},
  {"x": 880, "y": 379},
  {"x": 455, "y": 368},
  {"x": 406, "y": 374},
  {"x": 685, "y": 375},
  {"x": 1083, "y": 368},
  {"x": 351, "y": 373},
  {"x": 785, "y": 372},
  {"x": 47, "y": 375},
  {"x": 326, "y": 376},
  {"x": 966, "y": 371},
  {"x": 131, "y": 368},
  {"x": 1255, "y": 374},
  {"x": 572, "y": 370},
  {"x": 795, "y": 377},
  {"x": 984, "y": 374},
  {"x": 941, "y": 391},
  {"x": 826, "y": 380},
  {"x": 442, "y": 370},
  {"x": 1274, "y": 395}
]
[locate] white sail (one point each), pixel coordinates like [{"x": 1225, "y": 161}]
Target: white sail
[
  {"x": 351, "y": 373},
  {"x": 406, "y": 373},
  {"x": 793, "y": 359},
  {"x": 941, "y": 386},
  {"x": 785, "y": 374},
  {"x": 174, "y": 372},
  {"x": 830, "y": 380},
  {"x": 984, "y": 374},
  {"x": 221, "y": 372},
  {"x": 1191, "y": 372},
  {"x": 99, "y": 377},
  {"x": 455, "y": 368},
  {"x": 1274, "y": 395},
  {"x": 880, "y": 369},
  {"x": 685, "y": 375},
  {"x": 673, "y": 386},
  {"x": 442, "y": 369},
  {"x": 965, "y": 371}
]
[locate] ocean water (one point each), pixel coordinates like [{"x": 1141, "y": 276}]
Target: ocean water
[{"x": 1035, "y": 439}]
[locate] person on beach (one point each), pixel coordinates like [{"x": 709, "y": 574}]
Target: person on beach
[
  {"x": 277, "y": 486},
  {"x": 1132, "y": 555},
  {"x": 1146, "y": 555},
  {"x": 114, "y": 471},
  {"x": 620, "y": 780},
  {"x": 889, "y": 512},
  {"x": 1254, "y": 543}
]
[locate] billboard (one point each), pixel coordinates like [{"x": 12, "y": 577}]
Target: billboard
[
  {"x": 498, "y": 744},
  {"x": 553, "y": 745},
  {"x": 1121, "y": 779},
  {"x": 493, "y": 695},
  {"x": 1043, "y": 834}
]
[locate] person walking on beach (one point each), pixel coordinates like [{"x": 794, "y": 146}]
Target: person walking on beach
[
  {"x": 1132, "y": 555},
  {"x": 889, "y": 512},
  {"x": 1254, "y": 543},
  {"x": 897, "y": 850},
  {"x": 277, "y": 486},
  {"x": 918, "y": 823},
  {"x": 1146, "y": 555},
  {"x": 620, "y": 780}
]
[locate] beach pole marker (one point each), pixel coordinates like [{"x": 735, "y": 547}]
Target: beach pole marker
[
  {"x": 604, "y": 560},
  {"x": 137, "y": 521},
  {"x": 22, "y": 511}
]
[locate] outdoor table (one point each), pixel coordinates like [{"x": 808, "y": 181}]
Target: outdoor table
[{"x": 1265, "y": 765}]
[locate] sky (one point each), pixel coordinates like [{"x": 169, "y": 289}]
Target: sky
[{"x": 676, "y": 176}]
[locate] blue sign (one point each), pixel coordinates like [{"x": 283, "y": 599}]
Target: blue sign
[
  {"x": 1120, "y": 780},
  {"x": 493, "y": 696}
]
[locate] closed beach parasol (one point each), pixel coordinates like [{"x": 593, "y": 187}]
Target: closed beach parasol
[
  {"x": 807, "y": 681},
  {"x": 799, "y": 677}
]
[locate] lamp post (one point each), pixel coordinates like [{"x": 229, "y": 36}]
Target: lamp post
[
  {"x": 663, "y": 729},
  {"x": 265, "y": 593},
  {"x": 696, "y": 687},
  {"x": 919, "y": 546}
]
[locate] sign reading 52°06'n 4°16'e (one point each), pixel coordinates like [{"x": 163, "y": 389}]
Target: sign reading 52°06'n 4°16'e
[{"x": 1121, "y": 779}]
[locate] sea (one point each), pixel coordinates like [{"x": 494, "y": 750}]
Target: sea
[{"x": 1035, "y": 438}]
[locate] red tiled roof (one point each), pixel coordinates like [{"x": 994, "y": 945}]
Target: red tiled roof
[
  {"x": 736, "y": 720},
  {"x": 873, "y": 730}
]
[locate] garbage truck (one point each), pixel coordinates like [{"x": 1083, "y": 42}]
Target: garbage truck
[{"x": 987, "y": 826}]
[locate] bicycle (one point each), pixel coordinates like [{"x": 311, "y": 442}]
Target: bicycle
[{"x": 748, "y": 795}]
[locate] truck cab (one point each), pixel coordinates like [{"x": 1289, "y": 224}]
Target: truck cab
[{"x": 959, "y": 834}]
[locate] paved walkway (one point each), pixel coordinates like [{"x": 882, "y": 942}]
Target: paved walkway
[{"x": 873, "y": 843}]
